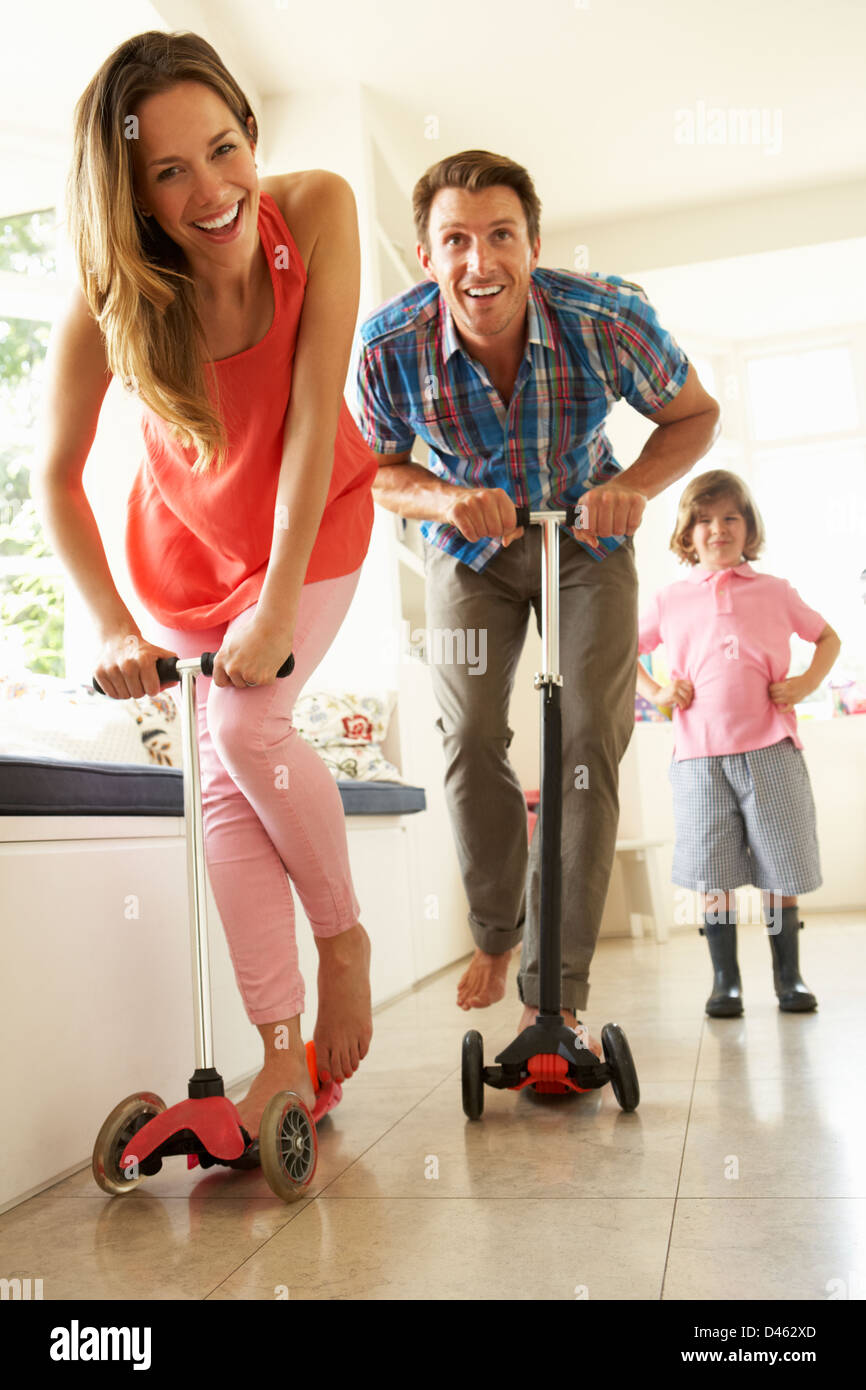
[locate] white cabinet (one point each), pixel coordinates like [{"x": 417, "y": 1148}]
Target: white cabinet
[{"x": 95, "y": 994}]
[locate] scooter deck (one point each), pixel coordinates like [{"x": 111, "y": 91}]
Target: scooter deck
[
  {"x": 208, "y": 1130},
  {"x": 328, "y": 1092}
]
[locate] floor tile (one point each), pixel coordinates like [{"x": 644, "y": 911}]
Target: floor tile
[
  {"x": 788, "y": 1137},
  {"x": 450, "y": 1249},
  {"x": 527, "y": 1146},
  {"x": 767, "y": 1250}
]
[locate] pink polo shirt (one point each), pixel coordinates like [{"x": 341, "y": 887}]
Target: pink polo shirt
[{"x": 728, "y": 632}]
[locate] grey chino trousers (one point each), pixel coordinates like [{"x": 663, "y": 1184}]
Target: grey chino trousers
[{"x": 487, "y": 807}]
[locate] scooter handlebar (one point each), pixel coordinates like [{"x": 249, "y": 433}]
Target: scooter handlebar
[
  {"x": 166, "y": 668},
  {"x": 525, "y": 517}
]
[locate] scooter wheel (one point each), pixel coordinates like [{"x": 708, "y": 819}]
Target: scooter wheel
[
  {"x": 617, "y": 1054},
  {"x": 125, "y": 1120},
  {"x": 288, "y": 1147},
  {"x": 473, "y": 1075}
]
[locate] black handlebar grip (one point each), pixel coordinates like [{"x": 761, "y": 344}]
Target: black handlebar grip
[
  {"x": 207, "y": 665},
  {"x": 166, "y": 669},
  {"x": 522, "y": 516},
  {"x": 207, "y": 660}
]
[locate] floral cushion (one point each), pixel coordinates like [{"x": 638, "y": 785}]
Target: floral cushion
[
  {"x": 347, "y": 731},
  {"x": 48, "y": 716}
]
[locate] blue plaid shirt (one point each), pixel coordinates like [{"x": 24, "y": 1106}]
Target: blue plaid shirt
[{"x": 590, "y": 341}]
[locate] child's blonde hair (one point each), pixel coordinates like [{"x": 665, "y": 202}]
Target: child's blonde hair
[{"x": 706, "y": 488}]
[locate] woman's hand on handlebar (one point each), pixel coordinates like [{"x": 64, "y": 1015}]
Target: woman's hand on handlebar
[
  {"x": 126, "y": 669},
  {"x": 478, "y": 512},
  {"x": 678, "y": 692},
  {"x": 252, "y": 655}
]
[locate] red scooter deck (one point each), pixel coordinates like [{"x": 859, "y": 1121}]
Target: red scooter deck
[
  {"x": 328, "y": 1091},
  {"x": 214, "y": 1121}
]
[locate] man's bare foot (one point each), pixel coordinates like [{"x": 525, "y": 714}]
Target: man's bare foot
[
  {"x": 288, "y": 1074},
  {"x": 344, "y": 1024},
  {"x": 483, "y": 982},
  {"x": 528, "y": 1017}
]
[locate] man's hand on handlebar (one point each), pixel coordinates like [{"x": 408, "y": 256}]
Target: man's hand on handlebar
[
  {"x": 610, "y": 509},
  {"x": 479, "y": 512}
]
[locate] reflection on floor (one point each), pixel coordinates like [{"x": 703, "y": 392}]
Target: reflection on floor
[{"x": 739, "y": 1176}]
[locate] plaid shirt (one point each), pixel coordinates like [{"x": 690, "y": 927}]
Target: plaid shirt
[{"x": 590, "y": 342}]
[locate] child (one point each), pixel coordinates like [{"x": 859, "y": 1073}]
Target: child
[{"x": 743, "y": 804}]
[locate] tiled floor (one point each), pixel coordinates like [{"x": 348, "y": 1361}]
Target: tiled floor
[{"x": 740, "y": 1175}]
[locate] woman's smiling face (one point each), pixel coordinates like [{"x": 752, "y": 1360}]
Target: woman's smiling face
[{"x": 193, "y": 165}]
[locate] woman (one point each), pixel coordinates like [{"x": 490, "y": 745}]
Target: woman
[{"x": 252, "y": 509}]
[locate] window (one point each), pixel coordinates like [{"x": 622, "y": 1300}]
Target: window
[
  {"x": 31, "y": 579},
  {"x": 795, "y": 394},
  {"x": 796, "y": 435},
  {"x": 780, "y": 341},
  {"x": 807, "y": 469},
  {"x": 815, "y": 536}
]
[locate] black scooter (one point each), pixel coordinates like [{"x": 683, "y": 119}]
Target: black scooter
[{"x": 548, "y": 1056}]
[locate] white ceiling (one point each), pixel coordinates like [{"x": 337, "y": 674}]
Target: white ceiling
[
  {"x": 583, "y": 92},
  {"x": 50, "y": 51},
  {"x": 48, "y": 54}
]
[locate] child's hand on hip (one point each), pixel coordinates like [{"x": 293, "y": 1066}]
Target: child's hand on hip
[
  {"x": 788, "y": 693},
  {"x": 679, "y": 693}
]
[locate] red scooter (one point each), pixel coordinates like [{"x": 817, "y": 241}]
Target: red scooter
[{"x": 140, "y": 1131}]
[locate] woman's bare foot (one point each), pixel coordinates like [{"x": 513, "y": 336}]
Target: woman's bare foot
[
  {"x": 344, "y": 1025},
  {"x": 288, "y": 1074},
  {"x": 569, "y": 1019},
  {"x": 483, "y": 982}
]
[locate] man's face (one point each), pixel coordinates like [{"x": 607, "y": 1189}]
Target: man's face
[{"x": 479, "y": 241}]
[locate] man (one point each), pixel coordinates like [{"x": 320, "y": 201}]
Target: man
[{"x": 507, "y": 372}]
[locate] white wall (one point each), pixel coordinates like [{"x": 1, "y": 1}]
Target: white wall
[{"x": 714, "y": 231}]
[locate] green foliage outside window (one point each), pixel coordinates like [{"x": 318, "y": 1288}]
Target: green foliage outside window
[{"x": 31, "y": 603}]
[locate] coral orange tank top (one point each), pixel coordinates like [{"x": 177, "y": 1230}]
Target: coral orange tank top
[{"x": 197, "y": 547}]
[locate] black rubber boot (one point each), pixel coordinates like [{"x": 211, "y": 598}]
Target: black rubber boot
[
  {"x": 726, "y": 1000},
  {"x": 794, "y": 997}
]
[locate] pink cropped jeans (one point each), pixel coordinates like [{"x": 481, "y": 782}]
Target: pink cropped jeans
[{"x": 270, "y": 807}]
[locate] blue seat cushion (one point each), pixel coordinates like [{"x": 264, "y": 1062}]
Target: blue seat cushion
[{"x": 52, "y": 787}]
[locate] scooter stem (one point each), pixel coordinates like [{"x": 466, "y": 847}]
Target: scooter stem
[
  {"x": 549, "y": 682},
  {"x": 188, "y": 668}
]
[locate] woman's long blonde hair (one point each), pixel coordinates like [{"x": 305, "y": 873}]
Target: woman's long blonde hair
[{"x": 135, "y": 278}]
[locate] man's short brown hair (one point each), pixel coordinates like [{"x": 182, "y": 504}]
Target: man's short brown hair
[{"x": 474, "y": 170}]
